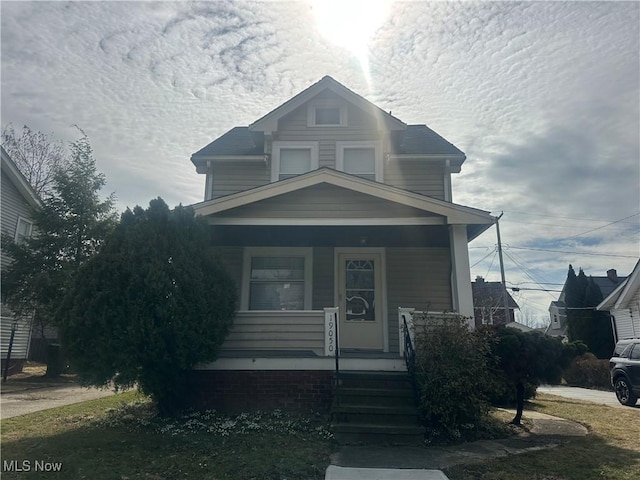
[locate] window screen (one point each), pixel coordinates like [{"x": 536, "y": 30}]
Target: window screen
[
  {"x": 327, "y": 116},
  {"x": 277, "y": 283},
  {"x": 294, "y": 161},
  {"x": 361, "y": 162}
]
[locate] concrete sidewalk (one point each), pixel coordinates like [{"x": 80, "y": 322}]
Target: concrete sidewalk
[
  {"x": 43, "y": 397},
  {"x": 425, "y": 463}
]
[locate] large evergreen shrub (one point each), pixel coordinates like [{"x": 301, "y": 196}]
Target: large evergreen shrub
[{"x": 149, "y": 306}]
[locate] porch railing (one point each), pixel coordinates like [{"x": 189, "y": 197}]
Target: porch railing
[{"x": 407, "y": 350}]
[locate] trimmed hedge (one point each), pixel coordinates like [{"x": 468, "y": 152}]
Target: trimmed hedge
[{"x": 588, "y": 371}]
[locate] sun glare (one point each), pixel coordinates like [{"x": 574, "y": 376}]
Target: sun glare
[{"x": 351, "y": 24}]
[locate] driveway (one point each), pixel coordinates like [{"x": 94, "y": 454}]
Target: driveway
[
  {"x": 588, "y": 395},
  {"x": 29, "y": 401}
]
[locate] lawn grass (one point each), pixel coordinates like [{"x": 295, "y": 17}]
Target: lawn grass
[
  {"x": 90, "y": 446},
  {"x": 611, "y": 450}
]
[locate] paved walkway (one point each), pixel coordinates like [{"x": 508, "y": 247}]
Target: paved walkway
[
  {"x": 420, "y": 463},
  {"x": 595, "y": 396},
  {"x": 37, "y": 398}
]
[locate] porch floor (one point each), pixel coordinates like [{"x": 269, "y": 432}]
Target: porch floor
[{"x": 344, "y": 353}]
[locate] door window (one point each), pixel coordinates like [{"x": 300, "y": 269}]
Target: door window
[{"x": 360, "y": 290}]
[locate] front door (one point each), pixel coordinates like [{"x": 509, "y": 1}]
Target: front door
[{"x": 360, "y": 301}]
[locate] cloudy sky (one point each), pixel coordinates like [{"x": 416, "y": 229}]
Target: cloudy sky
[{"x": 542, "y": 97}]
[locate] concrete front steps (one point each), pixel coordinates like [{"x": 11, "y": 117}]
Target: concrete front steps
[{"x": 375, "y": 408}]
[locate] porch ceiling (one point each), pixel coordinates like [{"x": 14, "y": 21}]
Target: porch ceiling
[{"x": 331, "y": 236}]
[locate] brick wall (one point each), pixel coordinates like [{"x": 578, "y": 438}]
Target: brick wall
[{"x": 235, "y": 391}]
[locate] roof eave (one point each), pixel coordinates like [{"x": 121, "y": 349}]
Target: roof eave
[
  {"x": 454, "y": 213},
  {"x": 19, "y": 180}
]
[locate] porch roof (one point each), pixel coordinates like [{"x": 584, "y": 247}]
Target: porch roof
[{"x": 417, "y": 209}]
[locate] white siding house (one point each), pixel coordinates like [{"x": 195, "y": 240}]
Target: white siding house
[
  {"x": 18, "y": 201},
  {"x": 623, "y": 305}
]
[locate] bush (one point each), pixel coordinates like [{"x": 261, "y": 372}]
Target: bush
[
  {"x": 589, "y": 372},
  {"x": 453, "y": 377},
  {"x": 149, "y": 306}
]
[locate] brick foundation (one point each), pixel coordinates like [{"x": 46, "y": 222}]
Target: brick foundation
[{"x": 235, "y": 391}]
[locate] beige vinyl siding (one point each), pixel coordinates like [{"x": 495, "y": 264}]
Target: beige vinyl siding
[
  {"x": 277, "y": 331},
  {"x": 415, "y": 176},
  {"x": 13, "y": 206},
  {"x": 230, "y": 177},
  {"x": 20, "y": 349},
  {"x": 323, "y": 286},
  {"x": 416, "y": 278},
  {"x": 324, "y": 201},
  {"x": 231, "y": 258},
  {"x": 360, "y": 127}
]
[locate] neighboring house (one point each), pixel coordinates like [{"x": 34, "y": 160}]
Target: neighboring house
[
  {"x": 623, "y": 303},
  {"x": 329, "y": 210},
  {"x": 522, "y": 327},
  {"x": 488, "y": 303},
  {"x": 557, "y": 309},
  {"x": 18, "y": 201}
]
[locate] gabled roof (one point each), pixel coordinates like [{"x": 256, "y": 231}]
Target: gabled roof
[
  {"x": 20, "y": 182},
  {"x": 490, "y": 294},
  {"x": 420, "y": 139},
  {"x": 237, "y": 141},
  {"x": 622, "y": 295},
  {"x": 269, "y": 122},
  {"x": 476, "y": 220},
  {"x": 409, "y": 140}
]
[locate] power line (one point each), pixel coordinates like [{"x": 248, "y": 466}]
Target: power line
[
  {"x": 597, "y": 228},
  {"x": 518, "y": 289},
  {"x": 491, "y": 264},
  {"x": 574, "y": 253},
  {"x": 524, "y": 270},
  {"x": 483, "y": 258},
  {"x": 558, "y": 216},
  {"x": 564, "y": 225}
]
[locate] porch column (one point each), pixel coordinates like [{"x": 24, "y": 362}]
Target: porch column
[{"x": 461, "y": 273}]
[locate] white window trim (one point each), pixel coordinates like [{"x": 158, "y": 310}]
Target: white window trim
[
  {"x": 306, "y": 252},
  {"x": 25, "y": 220},
  {"x": 279, "y": 145},
  {"x": 311, "y": 115},
  {"x": 341, "y": 146}
]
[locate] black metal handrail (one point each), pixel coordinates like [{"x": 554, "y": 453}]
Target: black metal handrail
[{"x": 410, "y": 357}]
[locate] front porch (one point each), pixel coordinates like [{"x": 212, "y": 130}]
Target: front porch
[{"x": 307, "y": 340}]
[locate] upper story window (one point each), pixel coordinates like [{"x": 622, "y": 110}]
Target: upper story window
[
  {"x": 23, "y": 229},
  {"x": 326, "y": 115},
  {"x": 289, "y": 159},
  {"x": 363, "y": 159}
]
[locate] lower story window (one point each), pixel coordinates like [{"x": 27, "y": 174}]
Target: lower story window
[{"x": 277, "y": 283}]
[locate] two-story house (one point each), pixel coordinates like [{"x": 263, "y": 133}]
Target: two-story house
[
  {"x": 18, "y": 201},
  {"x": 329, "y": 211}
]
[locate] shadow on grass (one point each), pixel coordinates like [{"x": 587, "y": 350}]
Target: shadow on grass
[
  {"x": 587, "y": 458},
  {"x": 115, "y": 453}
]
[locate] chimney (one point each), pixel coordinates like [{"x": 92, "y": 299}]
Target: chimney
[
  {"x": 479, "y": 279},
  {"x": 612, "y": 275}
]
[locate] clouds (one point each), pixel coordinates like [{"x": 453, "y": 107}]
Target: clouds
[{"x": 541, "y": 96}]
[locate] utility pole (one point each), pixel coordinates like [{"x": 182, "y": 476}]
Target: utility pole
[{"x": 505, "y": 297}]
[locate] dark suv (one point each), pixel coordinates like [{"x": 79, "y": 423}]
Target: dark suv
[{"x": 625, "y": 371}]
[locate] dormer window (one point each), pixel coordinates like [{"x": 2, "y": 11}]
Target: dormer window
[
  {"x": 289, "y": 159},
  {"x": 326, "y": 115}
]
